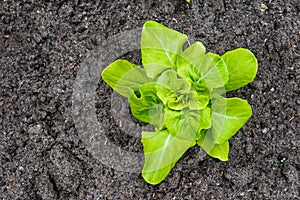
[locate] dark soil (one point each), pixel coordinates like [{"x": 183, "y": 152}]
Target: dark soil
[{"x": 43, "y": 44}]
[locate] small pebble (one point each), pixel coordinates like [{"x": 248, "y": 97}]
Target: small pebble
[
  {"x": 263, "y": 7},
  {"x": 272, "y": 89},
  {"x": 70, "y": 58},
  {"x": 35, "y": 130},
  {"x": 43, "y": 99},
  {"x": 265, "y": 130},
  {"x": 21, "y": 169}
]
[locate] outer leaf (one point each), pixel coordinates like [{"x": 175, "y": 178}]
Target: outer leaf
[
  {"x": 204, "y": 70},
  {"x": 162, "y": 150},
  {"x": 228, "y": 116},
  {"x": 155, "y": 177},
  {"x": 222, "y": 68},
  {"x": 242, "y": 68},
  {"x": 219, "y": 151},
  {"x": 160, "y": 48},
  {"x": 194, "y": 51},
  {"x": 124, "y": 77},
  {"x": 187, "y": 57},
  {"x": 146, "y": 106}
]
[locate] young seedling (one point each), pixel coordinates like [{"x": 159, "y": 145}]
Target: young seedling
[{"x": 180, "y": 92}]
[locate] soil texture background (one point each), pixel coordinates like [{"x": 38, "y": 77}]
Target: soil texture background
[{"x": 42, "y": 45}]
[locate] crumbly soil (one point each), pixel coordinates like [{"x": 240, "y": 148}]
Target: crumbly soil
[{"x": 43, "y": 44}]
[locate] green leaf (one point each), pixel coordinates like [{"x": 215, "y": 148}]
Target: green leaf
[
  {"x": 228, "y": 116},
  {"x": 196, "y": 101},
  {"x": 222, "y": 68},
  {"x": 155, "y": 177},
  {"x": 124, "y": 77},
  {"x": 162, "y": 150},
  {"x": 176, "y": 93},
  {"x": 219, "y": 151},
  {"x": 242, "y": 68},
  {"x": 170, "y": 89},
  {"x": 146, "y": 106},
  {"x": 188, "y": 122},
  {"x": 160, "y": 48},
  {"x": 205, "y": 70},
  {"x": 193, "y": 51}
]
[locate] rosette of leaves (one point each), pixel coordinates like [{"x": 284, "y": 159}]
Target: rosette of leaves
[{"x": 180, "y": 92}]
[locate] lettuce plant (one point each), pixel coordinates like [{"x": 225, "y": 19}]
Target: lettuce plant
[{"x": 180, "y": 92}]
